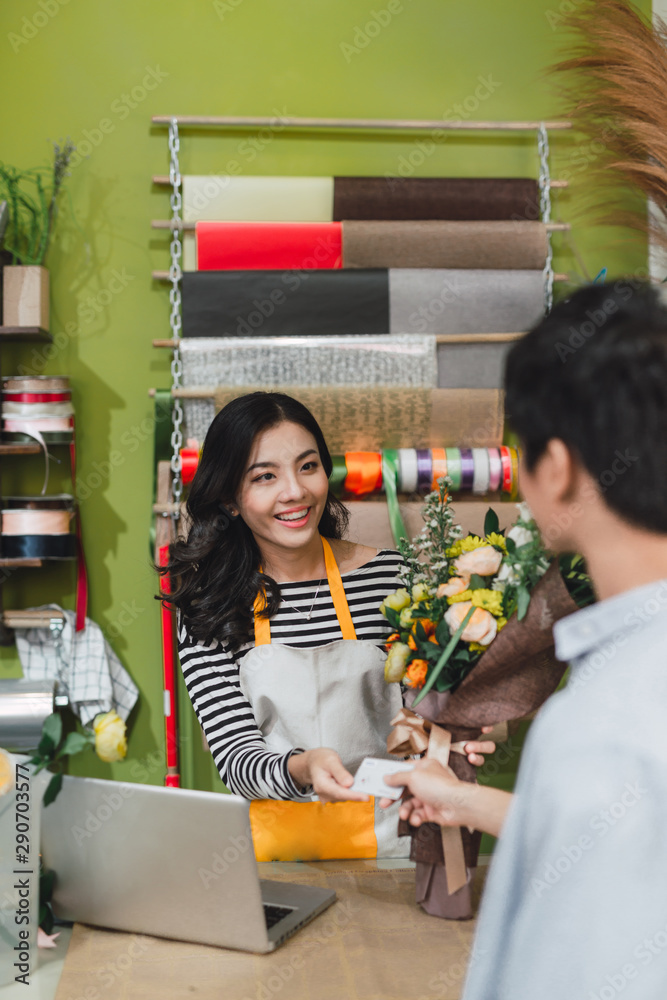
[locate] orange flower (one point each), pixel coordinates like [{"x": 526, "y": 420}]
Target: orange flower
[
  {"x": 415, "y": 675},
  {"x": 392, "y": 638},
  {"x": 411, "y": 642},
  {"x": 426, "y": 624}
]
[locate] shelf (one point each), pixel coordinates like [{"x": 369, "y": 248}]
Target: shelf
[
  {"x": 20, "y": 449},
  {"x": 35, "y": 563},
  {"x": 37, "y": 618},
  {"x": 35, "y": 333}
]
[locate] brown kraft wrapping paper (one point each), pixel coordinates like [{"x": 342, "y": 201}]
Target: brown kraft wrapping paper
[
  {"x": 513, "y": 678},
  {"x": 441, "y": 244}
]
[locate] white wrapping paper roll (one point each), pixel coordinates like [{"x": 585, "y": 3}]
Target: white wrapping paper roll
[
  {"x": 407, "y": 470},
  {"x": 480, "y": 480}
]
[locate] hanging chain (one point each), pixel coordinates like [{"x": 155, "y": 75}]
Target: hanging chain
[
  {"x": 176, "y": 251},
  {"x": 545, "y": 211}
]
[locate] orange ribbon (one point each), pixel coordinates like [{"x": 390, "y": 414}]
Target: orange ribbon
[
  {"x": 412, "y": 734},
  {"x": 364, "y": 471}
]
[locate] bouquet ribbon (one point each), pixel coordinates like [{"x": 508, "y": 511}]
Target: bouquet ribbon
[{"x": 412, "y": 734}]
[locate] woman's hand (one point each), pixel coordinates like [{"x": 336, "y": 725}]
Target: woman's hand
[
  {"x": 323, "y": 769},
  {"x": 476, "y": 748}
]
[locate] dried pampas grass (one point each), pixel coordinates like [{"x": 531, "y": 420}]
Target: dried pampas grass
[{"x": 617, "y": 99}]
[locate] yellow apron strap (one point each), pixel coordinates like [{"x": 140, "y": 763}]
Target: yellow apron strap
[
  {"x": 338, "y": 593},
  {"x": 263, "y": 625}
]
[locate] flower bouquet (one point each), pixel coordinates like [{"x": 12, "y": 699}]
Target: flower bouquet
[{"x": 473, "y": 646}]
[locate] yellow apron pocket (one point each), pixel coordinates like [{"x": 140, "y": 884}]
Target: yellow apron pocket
[{"x": 312, "y": 831}]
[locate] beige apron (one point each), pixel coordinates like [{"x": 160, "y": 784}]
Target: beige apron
[{"x": 329, "y": 696}]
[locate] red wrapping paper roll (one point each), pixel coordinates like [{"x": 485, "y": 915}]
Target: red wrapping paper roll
[{"x": 258, "y": 246}]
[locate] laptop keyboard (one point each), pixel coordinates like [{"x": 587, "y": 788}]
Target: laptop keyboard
[{"x": 272, "y": 914}]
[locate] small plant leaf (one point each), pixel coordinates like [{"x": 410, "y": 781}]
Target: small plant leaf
[
  {"x": 52, "y": 789},
  {"x": 491, "y": 522}
]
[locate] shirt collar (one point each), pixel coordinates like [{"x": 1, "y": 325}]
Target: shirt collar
[{"x": 588, "y": 628}]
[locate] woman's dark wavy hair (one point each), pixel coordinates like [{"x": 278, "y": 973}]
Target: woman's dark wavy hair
[{"x": 215, "y": 572}]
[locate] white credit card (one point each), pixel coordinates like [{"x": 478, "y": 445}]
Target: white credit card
[{"x": 371, "y": 773}]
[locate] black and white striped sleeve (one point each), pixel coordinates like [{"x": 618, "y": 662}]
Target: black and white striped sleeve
[{"x": 246, "y": 765}]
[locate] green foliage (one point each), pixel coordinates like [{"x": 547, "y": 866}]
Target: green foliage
[
  {"x": 32, "y": 201},
  {"x": 491, "y": 522}
]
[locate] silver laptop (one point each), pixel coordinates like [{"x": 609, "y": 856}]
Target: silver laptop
[{"x": 167, "y": 862}]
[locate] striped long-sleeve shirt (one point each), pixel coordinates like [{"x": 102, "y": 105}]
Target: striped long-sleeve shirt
[{"x": 211, "y": 673}]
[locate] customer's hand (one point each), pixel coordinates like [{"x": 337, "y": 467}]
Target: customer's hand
[
  {"x": 438, "y": 795},
  {"x": 475, "y": 748},
  {"x": 323, "y": 769}
]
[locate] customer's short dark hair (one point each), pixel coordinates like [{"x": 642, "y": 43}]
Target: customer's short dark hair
[{"x": 594, "y": 375}]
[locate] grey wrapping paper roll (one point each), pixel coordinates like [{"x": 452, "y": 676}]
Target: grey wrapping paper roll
[
  {"x": 436, "y": 198},
  {"x": 285, "y": 303},
  {"x": 457, "y": 301},
  {"x": 435, "y": 243},
  {"x": 24, "y": 706}
]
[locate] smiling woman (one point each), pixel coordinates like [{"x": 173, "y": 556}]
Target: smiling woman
[{"x": 281, "y": 639}]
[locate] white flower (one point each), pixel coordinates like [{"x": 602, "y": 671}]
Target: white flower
[
  {"x": 507, "y": 575},
  {"x": 524, "y": 511},
  {"x": 520, "y": 536}
]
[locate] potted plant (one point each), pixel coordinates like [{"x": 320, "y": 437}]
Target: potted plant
[{"x": 32, "y": 201}]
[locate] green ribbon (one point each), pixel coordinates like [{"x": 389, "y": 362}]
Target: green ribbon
[
  {"x": 338, "y": 474},
  {"x": 390, "y": 480}
]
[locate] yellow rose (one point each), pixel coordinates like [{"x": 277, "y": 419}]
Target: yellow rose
[
  {"x": 396, "y": 601},
  {"x": 420, "y": 592},
  {"x": 110, "y": 740},
  {"x": 394, "y": 668},
  {"x": 406, "y": 616}
]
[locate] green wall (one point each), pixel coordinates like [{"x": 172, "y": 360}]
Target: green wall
[{"x": 72, "y": 65}]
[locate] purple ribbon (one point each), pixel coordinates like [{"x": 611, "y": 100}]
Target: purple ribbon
[
  {"x": 424, "y": 470},
  {"x": 467, "y": 469}
]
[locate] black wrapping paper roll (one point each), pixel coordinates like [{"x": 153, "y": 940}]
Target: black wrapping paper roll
[
  {"x": 39, "y": 547},
  {"x": 455, "y": 198},
  {"x": 285, "y": 303}
]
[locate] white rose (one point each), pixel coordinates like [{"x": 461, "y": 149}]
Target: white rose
[
  {"x": 520, "y": 536},
  {"x": 524, "y": 511}
]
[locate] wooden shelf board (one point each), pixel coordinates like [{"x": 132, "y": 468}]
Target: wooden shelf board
[
  {"x": 35, "y": 563},
  {"x": 25, "y": 333},
  {"x": 14, "y": 448}
]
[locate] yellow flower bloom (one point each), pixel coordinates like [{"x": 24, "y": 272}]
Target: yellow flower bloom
[
  {"x": 495, "y": 539},
  {"x": 420, "y": 592},
  {"x": 467, "y": 544},
  {"x": 490, "y": 600},
  {"x": 110, "y": 740},
  {"x": 502, "y": 622},
  {"x": 396, "y": 601},
  {"x": 476, "y": 647},
  {"x": 465, "y": 595},
  {"x": 394, "y": 667}
]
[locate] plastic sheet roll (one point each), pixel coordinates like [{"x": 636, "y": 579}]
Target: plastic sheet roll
[
  {"x": 453, "y": 198},
  {"x": 221, "y": 197},
  {"x": 434, "y": 243},
  {"x": 457, "y": 301}
]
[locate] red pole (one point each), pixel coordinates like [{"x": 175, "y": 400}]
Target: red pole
[{"x": 172, "y": 777}]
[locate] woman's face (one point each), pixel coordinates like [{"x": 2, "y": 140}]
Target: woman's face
[{"x": 284, "y": 487}]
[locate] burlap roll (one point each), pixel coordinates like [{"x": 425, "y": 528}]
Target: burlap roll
[{"x": 437, "y": 243}]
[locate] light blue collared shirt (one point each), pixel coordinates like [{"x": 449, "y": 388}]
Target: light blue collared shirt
[{"x": 575, "y": 906}]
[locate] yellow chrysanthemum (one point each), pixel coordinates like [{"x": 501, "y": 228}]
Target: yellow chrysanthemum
[
  {"x": 502, "y": 622},
  {"x": 490, "y": 600},
  {"x": 476, "y": 647},
  {"x": 465, "y": 595},
  {"x": 495, "y": 539},
  {"x": 465, "y": 545}
]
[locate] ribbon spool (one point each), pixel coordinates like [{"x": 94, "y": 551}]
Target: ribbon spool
[
  {"x": 38, "y": 527},
  {"x": 37, "y": 407}
]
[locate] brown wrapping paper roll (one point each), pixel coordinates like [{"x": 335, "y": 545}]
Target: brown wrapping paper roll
[
  {"x": 440, "y": 244},
  {"x": 371, "y": 418},
  {"x": 459, "y": 198}
]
